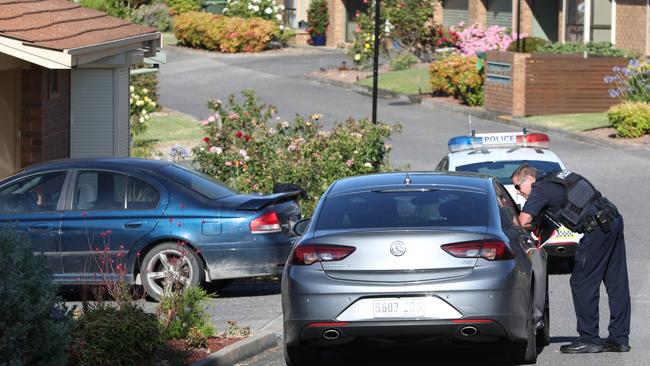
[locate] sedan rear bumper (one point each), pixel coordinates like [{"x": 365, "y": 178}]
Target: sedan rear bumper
[{"x": 332, "y": 334}]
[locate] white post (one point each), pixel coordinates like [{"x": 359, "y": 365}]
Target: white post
[
  {"x": 613, "y": 22},
  {"x": 563, "y": 27},
  {"x": 586, "y": 36}
]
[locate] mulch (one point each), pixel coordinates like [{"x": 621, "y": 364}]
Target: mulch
[{"x": 177, "y": 352}]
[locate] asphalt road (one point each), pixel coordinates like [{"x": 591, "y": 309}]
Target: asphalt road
[{"x": 190, "y": 78}]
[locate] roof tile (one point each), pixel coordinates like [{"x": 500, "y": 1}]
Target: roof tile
[{"x": 62, "y": 24}]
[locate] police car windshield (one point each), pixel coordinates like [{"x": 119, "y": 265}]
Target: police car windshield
[{"x": 503, "y": 169}]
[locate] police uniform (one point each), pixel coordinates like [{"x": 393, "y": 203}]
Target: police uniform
[{"x": 599, "y": 257}]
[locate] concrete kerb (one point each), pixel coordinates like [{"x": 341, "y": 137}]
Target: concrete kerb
[
  {"x": 268, "y": 337},
  {"x": 241, "y": 350}
]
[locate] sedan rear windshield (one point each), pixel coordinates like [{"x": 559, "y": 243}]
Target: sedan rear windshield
[
  {"x": 197, "y": 182},
  {"x": 503, "y": 169},
  {"x": 408, "y": 209}
]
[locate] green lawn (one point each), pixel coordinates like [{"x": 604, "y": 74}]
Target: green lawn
[
  {"x": 169, "y": 128},
  {"x": 572, "y": 122},
  {"x": 410, "y": 82},
  {"x": 169, "y": 39}
]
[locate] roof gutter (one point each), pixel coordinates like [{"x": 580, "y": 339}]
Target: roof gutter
[{"x": 117, "y": 43}]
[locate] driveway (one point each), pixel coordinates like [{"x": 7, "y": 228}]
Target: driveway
[{"x": 190, "y": 78}]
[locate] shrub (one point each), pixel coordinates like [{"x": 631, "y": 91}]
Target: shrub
[
  {"x": 115, "y": 8},
  {"x": 409, "y": 21},
  {"x": 476, "y": 38},
  {"x": 115, "y": 336},
  {"x": 631, "y": 119},
  {"x": 529, "y": 44},
  {"x": 155, "y": 15},
  {"x": 177, "y": 7},
  {"x": 458, "y": 76},
  {"x": 141, "y": 107},
  {"x": 33, "y": 322},
  {"x": 243, "y": 149},
  {"x": 403, "y": 61},
  {"x": 265, "y": 9},
  {"x": 225, "y": 34},
  {"x": 632, "y": 82},
  {"x": 318, "y": 18},
  {"x": 147, "y": 81},
  {"x": 592, "y": 49},
  {"x": 182, "y": 314},
  {"x": 442, "y": 37}
]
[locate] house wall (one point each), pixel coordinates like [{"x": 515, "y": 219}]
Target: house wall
[
  {"x": 45, "y": 116},
  {"x": 631, "y": 25},
  {"x": 477, "y": 11},
  {"x": 8, "y": 120}
]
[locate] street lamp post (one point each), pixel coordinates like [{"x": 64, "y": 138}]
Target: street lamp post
[{"x": 375, "y": 64}]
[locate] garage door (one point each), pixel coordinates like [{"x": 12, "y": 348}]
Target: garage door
[
  {"x": 454, "y": 12},
  {"x": 499, "y": 12}
]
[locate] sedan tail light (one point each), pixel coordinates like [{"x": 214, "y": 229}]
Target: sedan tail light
[
  {"x": 312, "y": 253},
  {"x": 490, "y": 250},
  {"x": 265, "y": 224}
]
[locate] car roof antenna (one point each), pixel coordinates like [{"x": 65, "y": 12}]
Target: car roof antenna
[{"x": 407, "y": 179}]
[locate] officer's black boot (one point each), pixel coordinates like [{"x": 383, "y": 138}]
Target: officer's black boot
[{"x": 581, "y": 347}]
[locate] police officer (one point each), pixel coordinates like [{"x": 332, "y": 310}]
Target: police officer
[{"x": 570, "y": 199}]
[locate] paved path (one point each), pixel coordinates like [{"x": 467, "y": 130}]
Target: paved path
[{"x": 190, "y": 78}]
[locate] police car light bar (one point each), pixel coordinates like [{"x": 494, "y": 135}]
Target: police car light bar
[{"x": 460, "y": 143}]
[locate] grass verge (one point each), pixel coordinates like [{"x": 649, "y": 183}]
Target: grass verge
[
  {"x": 572, "y": 122},
  {"x": 169, "y": 128},
  {"x": 409, "y": 82}
]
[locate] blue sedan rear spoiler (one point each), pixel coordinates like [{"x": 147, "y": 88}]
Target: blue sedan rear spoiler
[{"x": 252, "y": 202}]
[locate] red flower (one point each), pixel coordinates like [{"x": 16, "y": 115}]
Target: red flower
[
  {"x": 247, "y": 137},
  {"x": 206, "y": 139},
  {"x": 239, "y": 134}
]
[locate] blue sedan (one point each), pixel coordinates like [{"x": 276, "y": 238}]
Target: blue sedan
[{"x": 148, "y": 222}]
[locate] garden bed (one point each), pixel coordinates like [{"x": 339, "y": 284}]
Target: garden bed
[{"x": 177, "y": 352}]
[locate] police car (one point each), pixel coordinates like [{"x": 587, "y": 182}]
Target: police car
[{"x": 499, "y": 154}]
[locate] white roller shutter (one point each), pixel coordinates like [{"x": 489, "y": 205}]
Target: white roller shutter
[
  {"x": 99, "y": 112},
  {"x": 455, "y": 11},
  {"x": 499, "y": 12}
]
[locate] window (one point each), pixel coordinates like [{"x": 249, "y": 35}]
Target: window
[
  {"x": 38, "y": 193},
  {"x": 394, "y": 209},
  {"x": 197, "y": 182},
  {"x": 99, "y": 190},
  {"x": 509, "y": 214},
  {"x": 141, "y": 195},
  {"x": 503, "y": 169}
]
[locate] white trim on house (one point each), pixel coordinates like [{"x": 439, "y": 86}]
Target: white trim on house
[
  {"x": 67, "y": 59},
  {"x": 562, "y": 32},
  {"x": 586, "y": 33},
  {"x": 613, "y": 29}
]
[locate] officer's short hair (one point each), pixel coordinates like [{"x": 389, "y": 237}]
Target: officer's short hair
[{"x": 524, "y": 170}]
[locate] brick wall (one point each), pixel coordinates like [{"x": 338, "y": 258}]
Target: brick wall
[
  {"x": 505, "y": 84},
  {"x": 336, "y": 27},
  {"x": 437, "y": 12},
  {"x": 631, "y": 25},
  {"x": 477, "y": 12},
  {"x": 45, "y": 131}
]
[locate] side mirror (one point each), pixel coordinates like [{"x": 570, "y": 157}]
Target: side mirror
[{"x": 301, "y": 226}]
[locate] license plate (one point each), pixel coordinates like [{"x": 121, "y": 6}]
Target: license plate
[{"x": 398, "y": 308}]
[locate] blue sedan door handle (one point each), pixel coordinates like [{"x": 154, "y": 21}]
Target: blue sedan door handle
[
  {"x": 40, "y": 227},
  {"x": 133, "y": 224}
]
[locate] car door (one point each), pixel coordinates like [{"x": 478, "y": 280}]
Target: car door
[
  {"x": 107, "y": 213},
  {"x": 33, "y": 206}
]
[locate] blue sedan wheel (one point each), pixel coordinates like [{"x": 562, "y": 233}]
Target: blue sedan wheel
[{"x": 170, "y": 267}]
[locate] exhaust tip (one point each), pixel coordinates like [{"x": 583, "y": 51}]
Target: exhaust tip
[
  {"x": 331, "y": 334},
  {"x": 561, "y": 250},
  {"x": 469, "y": 331}
]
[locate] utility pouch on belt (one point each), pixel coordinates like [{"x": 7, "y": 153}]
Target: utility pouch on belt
[{"x": 604, "y": 220}]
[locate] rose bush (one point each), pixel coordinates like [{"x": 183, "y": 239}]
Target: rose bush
[
  {"x": 248, "y": 147},
  {"x": 265, "y": 9}
]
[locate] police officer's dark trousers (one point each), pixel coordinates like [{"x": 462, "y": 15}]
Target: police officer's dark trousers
[{"x": 600, "y": 257}]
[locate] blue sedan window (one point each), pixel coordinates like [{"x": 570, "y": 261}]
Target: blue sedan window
[
  {"x": 393, "y": 209},
  {"x": 198, "y": 182}
]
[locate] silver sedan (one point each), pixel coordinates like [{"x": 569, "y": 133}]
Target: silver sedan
[{"x": 435, "y": 256}]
